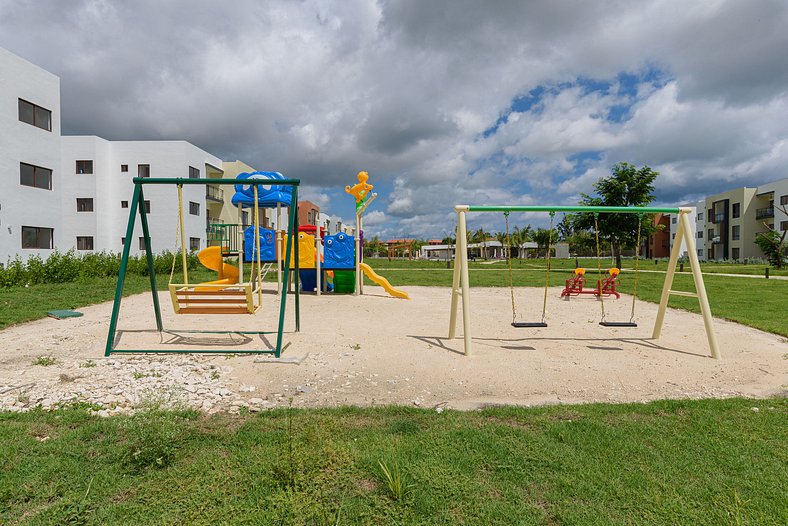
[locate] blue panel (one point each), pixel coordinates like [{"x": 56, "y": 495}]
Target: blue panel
[
  {"x": 267, "y": 245},
  {"x": 267, "y": 196},
  {"x": 339, "y": 252}
]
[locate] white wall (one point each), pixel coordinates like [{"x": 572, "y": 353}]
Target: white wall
[
  {"x": 22, "y": 142},
  {"x": 110, "y": 186},
  {"x": 696, "y": 225}
]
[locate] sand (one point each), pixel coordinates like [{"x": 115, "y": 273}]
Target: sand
[{"x": 376, "y": 350}]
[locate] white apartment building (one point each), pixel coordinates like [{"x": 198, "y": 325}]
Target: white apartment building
[
  {"x": 697, "y": 222},
  {"x": 98, "y": 189},
  {"x": 30, "y": 203},
  {"x": 75, "y": 192}
]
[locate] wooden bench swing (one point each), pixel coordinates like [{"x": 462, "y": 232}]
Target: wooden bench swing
[{"x": 227, "y": 295}]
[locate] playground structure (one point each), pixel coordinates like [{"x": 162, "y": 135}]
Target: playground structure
[
  {"x": 337, "y": 255},
  {"x": 575, "y": 285},
  {"x": 461, "y": 285},
  {"x": 229, "y": 294}
]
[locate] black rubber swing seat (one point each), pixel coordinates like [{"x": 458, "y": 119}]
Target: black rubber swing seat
[
  {"x": 528, "y": 324},
  {"x": 618, "y": 324}
]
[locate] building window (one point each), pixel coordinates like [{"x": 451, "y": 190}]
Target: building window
[
  {"x": 84, "y": 204},
  {"x": 35, "y": 115},
  {"x": 124, "y": 204},
  {"x": 146, "y": 204},
  {"x": 700, "y": 217},
  {"x": 735, "y": 210},
  {"x": 124, "y": 167},
  {"x": 674, "y": 236},
  {"x": 700, "y": 234},
  {"x": 142, "y": 242},
  {"x": 194, "y": 173},
  {"x": 37, "y": 237},
  {"x": 711, "y": 233},
  {"x": 194, "y": 243},
  {"x": 194, "y": 208},
  {"x": 35, "y": 176},
  {"x": 84, "y": 167},
  {"x": 122, "y": 242},
  {"x": 784, "y": 199},
  {"x": 735, "y": 253},
  {"x": 735, "y": 232},
  {"x": 700, "y": 252},
  {"x": 245, "y": 218},
  {"x": 84, "y": 242},
  {"x": 143, "y": 170},
  {"x": 783, "y": 225},
  {"x": 673, "y": 220}
]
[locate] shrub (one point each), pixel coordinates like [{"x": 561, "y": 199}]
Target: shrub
[{"x": 62, "y": 267}]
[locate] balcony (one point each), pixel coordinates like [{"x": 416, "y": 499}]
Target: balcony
[
  {"x": 764, "y": 213},
  {"x": 716, "y": 240},
  {"x": 214, "y": 193}
]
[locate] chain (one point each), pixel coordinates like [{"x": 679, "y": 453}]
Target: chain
[
  {"x": 637, "y": 258},
  {"x": 547, "y": 272},
  {"x": 509, "y": 265},
  {"x": 598, "y": 265}
]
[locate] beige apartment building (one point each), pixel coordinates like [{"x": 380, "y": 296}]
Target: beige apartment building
[{"x": 734, "y": 219}]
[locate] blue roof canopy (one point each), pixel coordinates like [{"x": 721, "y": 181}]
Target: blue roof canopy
[{"x": 268, "y": 196}]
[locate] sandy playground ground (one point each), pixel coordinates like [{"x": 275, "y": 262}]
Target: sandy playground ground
[{"x": 374, "y": 350}]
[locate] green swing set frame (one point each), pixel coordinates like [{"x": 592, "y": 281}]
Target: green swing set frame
[{"x": 135, "y": 208}]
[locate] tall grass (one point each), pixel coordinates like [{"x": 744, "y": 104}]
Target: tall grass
[{"x": 65, "y": 267}]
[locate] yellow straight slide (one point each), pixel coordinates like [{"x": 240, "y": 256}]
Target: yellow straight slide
[{"x": 383, "y": 282}]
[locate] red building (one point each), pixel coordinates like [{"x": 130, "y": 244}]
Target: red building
[{"x": 658, "y": 243}]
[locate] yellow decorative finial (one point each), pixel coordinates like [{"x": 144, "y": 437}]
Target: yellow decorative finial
[{"x": 361, "y": 189}]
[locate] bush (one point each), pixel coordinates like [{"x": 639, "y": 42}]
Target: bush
[{"x": 62, "y": 267}]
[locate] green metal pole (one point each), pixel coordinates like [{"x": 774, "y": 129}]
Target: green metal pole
[
  {"x": 598, "y": 209},
  {"x": 297, "y": 276},
  {"x": 124, "y": 263},
  {"x": 283, "y": 296},
  {"x": 149, "y": 257}
]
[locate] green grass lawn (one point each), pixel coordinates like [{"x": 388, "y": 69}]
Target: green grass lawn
[
  {"x": 759, "y": 303},
  {"x": 21, "y": 304},
  {"x": 710, "y": 462}
]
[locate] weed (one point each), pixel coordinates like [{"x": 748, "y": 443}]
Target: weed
[
  {"x": 137, "y": 375},
  {"x": 356, "y": 346},
  {"x": 23, "y": 398},
  {"x": 88, "y": 364},
  {"x": 45, "y": 361},
  {"x": 214, "y": 375},
  {"x": 154, "y": 440},
  {"x": 396, "y": 480}
]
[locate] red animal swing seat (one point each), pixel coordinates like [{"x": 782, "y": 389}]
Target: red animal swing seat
[{"x": 575, "y": 285}]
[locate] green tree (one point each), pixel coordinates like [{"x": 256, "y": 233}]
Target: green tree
[
  {"x": 773, "y": 244},
  {"x": 542, "y": 238},
  {"x": 627, "y": 186},
  {"x": 565, "y": 228}
]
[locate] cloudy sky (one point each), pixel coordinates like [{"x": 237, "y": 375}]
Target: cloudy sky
[{"x": 443, "y": 101}]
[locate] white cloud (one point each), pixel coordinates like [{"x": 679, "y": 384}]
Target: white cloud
[{"x": 321, "y": 89}]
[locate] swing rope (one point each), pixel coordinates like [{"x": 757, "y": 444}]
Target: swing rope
[
  {"x": 509, "y": 265},
  {"x": 177, "y": 233},
  {"x": 599, "y": 266},
  {"x": 637, "y": 258},
  {"x": 547, "y": 272},
  {"x": 546, "y": 277}
]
